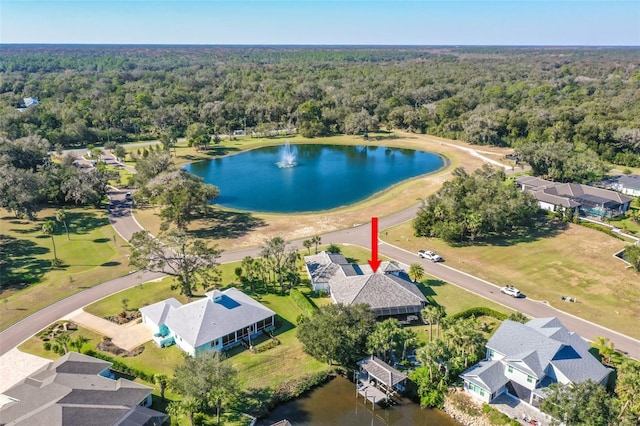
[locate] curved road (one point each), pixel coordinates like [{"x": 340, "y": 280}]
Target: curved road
[{"x": 125, "y": 224}]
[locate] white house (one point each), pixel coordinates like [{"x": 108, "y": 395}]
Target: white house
[
  {"x": 524, "y": 359},
  {"x": 627, "y": 184},
  {"x": 218, "y": 321}
]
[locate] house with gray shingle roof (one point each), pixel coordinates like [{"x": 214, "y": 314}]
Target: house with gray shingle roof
[
  {"x": 524, "y": 359},
  {"x": 587, "y": 200},
  {"x": 627, "y": 184},
  {"x": 78, "y": 389},
  {"x": 388, "y": 291},
  {"x": 218, "y": 321}
]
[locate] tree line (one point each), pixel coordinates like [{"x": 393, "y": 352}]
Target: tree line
[{"x": 586, "y": 98}]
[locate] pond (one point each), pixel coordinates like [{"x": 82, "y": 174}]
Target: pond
[
  {"x": 335, "y": 403},
  {"x": 304, "y": 178}
]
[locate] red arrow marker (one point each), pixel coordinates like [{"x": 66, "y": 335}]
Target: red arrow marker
[{"x": 374, "y": 262}]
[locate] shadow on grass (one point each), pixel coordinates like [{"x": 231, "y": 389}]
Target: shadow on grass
[
  {"x": 539, "y": 228},
  {"x": 282, "y": 326},
  {"x": 112, "y": 263},
  {"x": 85, "y": 222},
  {"x": 426, "y": 290},
  {"x": 226, "y": 224},
  {"x": 19, "y": 266},
  {"x": 102, "y": 240},
  {"x": 254, "y": 401},
  {"x": 37, "y": 227}
]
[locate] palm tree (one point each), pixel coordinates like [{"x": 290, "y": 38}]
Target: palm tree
[
  {"x": 161, "y": 380},
  {"x": 431, "y": 354},
  {"x": 49, "y": 228},
  {"x": 605, "y": 348},
  {"x": 307, "y": 244},
  {"x": 63, "y": 341},
  {"x": 432, "y": 314},
  {"x": 416, "y": 272},
  {"x": 61, "y": 216},
  {"x": 316, "y": 239},
  {"x": 78, "y": 343},
  {"x": 188, "y": 406},
  {"x": 409, "y": 338}
]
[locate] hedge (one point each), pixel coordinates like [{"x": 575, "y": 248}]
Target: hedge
[
  {"x": 302, "y": 302},
  {"x": 478, "y": 312},
  {"x": 601, "y": 228}
]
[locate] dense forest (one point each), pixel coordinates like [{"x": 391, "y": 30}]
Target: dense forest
[{"x": 587, "y": 99}]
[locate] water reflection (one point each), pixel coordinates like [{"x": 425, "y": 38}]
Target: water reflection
[{"x": 336, "y": 404}]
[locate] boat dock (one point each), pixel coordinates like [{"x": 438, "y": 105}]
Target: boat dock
[{"x": 371, "y": 393}]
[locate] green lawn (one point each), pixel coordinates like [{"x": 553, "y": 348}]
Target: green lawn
[
  {"x": 287, "y": 360},
  {"x": 559, "y": 260},
  {"x": 29, "y": 282},
  {"x": 266, "y": 369}
]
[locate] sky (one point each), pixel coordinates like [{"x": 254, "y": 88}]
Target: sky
[{"x": 334, "y": 22}]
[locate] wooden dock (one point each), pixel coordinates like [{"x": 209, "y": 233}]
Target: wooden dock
[{"x": 371, "y": 393}]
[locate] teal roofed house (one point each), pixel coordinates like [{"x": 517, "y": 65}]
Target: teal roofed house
[{"x": 218, "y": 321}]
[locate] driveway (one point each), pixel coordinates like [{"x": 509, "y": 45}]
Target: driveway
[{"x": 127, "y": 336}]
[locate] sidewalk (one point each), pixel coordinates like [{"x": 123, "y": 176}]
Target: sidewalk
[{"x": 127, "y": 337}]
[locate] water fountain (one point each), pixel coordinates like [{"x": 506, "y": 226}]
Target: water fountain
[{"x": 287, "y": 158}]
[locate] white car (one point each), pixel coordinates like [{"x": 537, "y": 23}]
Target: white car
[
  {"x": 426, "y": 254},
  {"x": 510, "y": 291}
]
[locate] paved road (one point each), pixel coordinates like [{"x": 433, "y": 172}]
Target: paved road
[{"x": 125, "y": 225}]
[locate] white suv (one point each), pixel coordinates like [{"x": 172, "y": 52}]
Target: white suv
[
  {"x": 510, "y": 290},
  {"x": 426, "y": 254}
]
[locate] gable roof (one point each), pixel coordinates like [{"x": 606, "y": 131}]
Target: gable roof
[
  {"x": 158, "y": 311},
  {"x": 488, "y": 375},
  {"x": 214, "y": 316},
  {"x": 70, "y": 391},
  {"x": 543, "y": 345}
]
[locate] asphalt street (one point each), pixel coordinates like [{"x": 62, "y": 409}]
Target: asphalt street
[{"x": 125, "y": 224}]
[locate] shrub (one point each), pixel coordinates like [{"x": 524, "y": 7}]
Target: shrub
[
  {"x": 601, "y": 229},
  {"x": 294, "y": 388},
  {"x": 266, "y": 346},
  {"x": 302, "y": 302},
  {"x": 478, "y": 312},
  {"x": 47, "y": 346}
]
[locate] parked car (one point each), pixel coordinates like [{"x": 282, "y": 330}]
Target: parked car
[
  {"x": 427, "y": 254},
  {"x": 127, "y": 196},
  {"x": 510, "y": 291}
]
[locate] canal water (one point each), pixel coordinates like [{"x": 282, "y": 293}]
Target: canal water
[{"x": 336, "y": 403}]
